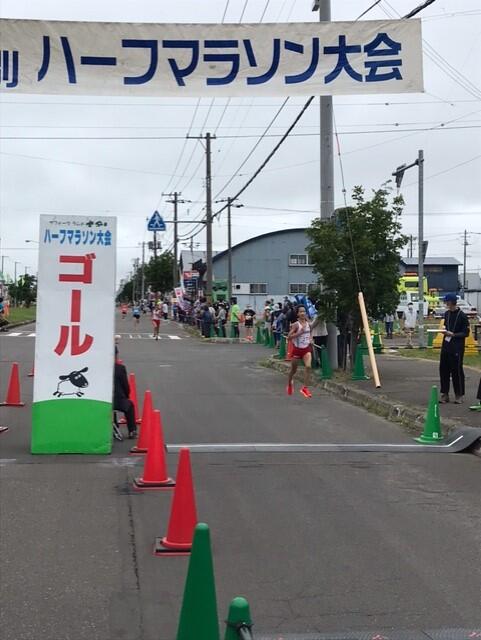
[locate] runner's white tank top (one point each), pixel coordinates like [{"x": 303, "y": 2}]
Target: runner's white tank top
[{"x": 303, "y": 340}]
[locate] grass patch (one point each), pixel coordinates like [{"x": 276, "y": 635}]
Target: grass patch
[
  {"x": 22, "y": 314},
  {"x": 433, "y": 354}
]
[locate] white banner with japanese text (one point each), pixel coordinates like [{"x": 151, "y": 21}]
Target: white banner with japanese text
[
  {"x": 74, "y": 349},
  {"x": 104, "y": 58}
]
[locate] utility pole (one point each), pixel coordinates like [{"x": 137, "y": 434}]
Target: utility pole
[
  {"x": 420, "y": 163},
  {"x": 208, "y": 210},
  {"x": 466, "y": 243},
  {"x": 229, "y": 242},
  {"x": 399, "y": 174},
  {"x": 326, "y": 208},
  {"x": 142, "y": 286},
  {"x": 326, "y": 169}
]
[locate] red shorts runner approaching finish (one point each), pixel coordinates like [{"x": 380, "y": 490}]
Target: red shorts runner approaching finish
[
  {"x": 156, "y": 323},
  {"x": 298, "y": 354}
]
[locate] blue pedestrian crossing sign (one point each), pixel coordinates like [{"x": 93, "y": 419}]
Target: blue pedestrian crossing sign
[{"x": 156, "y": 222}]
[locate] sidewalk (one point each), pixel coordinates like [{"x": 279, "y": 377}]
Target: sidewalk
[{"x": 404, "y": 394}]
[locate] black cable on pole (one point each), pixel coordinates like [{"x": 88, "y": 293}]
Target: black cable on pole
[{"x": 420, "y": 8}]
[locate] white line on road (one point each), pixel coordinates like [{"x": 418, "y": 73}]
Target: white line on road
[
  {"x": 175, "y": 337},
  {"x": 14, "y": 335}
]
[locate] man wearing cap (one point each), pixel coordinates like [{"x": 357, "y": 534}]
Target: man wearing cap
[{"x": 456, "y": 330}]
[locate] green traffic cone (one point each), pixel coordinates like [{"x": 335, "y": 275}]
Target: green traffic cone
[
  {"x": 359, "y": 373},
  {"x": 397, "y": 327},
  {"x": 212, "y": 332},
  {"x": 266, "y": 337},
  {"x": 282, "y": 348},
  {"x": 431, "y": 335},
  {"x": 377, "y": 340},
  {"x": 272, "y": 342},
  {"x": 239, "y": 617},
  {"x": 363, "y": 343},
  {"x": 325, "y": 371},
  {"x": 432, "y": 425},
  {"x": 198, "y": 616},
  {"x": 259, "y": 335}
]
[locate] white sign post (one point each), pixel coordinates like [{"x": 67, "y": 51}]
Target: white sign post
[{"x": 74, "y": 350}]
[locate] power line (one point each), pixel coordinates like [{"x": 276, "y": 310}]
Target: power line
[
  {"x": 234, "y": 137},
  {"x": 439, "y": 173},
  {"x": 368, "y": 9},
  {"x": 436, "y": 57}
]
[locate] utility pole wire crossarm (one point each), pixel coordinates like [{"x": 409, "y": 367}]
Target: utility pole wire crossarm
[
  {"x": 229, "y": 242},
  {"x": 175, "y": 200}
]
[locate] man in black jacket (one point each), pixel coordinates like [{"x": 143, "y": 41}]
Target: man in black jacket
[
  {"x": 121, "y": 398},
  {"x": 456, "y": 330}
]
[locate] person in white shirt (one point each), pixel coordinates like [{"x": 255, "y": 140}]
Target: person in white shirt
[{"x": 410, "y": 321}]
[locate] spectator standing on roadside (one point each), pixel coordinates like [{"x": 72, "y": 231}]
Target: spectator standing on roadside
[
  {"x": 249, "y": 317},
  {"x": 456, "y": 330},
  {"x": 165, "y": 310},
  {"x": 389, "y": 324},
  {"x": 221, "y": 319},
  {"x": 410, "y": 322},
  {"x": 235, "y": 314},
  {"x": 276, "y": 312},
  {"x": 319, "y": 335}
]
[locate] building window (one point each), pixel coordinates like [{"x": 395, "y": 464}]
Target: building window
[
  {"x": 299, "y": 260},
  {"x": 297, "y": 288},
  {"x": 258, "y": 287}
]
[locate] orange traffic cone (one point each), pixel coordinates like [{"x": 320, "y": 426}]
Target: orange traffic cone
[
  {"x": 32, "y": 371},
  {"x": 13, "y": 391},
  {"x": 290, "y": 347},
  {"x": 183, "y": 513},
  {"x": 133, "y": 396},
  {"x": 155, "y": 466},
  {"x": 144, "y": 437}
]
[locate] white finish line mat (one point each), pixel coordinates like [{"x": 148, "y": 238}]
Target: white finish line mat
[
  {"x": 440, "y": 634},
  {"x": 458, "y": 441}
]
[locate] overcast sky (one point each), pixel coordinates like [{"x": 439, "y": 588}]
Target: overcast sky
[{"x": 126, "y": 178}]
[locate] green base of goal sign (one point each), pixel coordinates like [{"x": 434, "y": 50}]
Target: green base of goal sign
[{"x": 72, "y": 426}]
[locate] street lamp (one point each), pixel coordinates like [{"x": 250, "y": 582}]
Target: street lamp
[
  {"x": 3, "y": 259},
  {"x": 399, "y": 174},
  {"x": 15, "y": 272}
]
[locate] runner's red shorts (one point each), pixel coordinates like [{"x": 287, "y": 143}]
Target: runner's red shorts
[
  {"x": 298, "y": 354},
  {"x": 156, "y": 323}
]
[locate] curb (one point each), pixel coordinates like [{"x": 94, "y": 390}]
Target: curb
[
  {"x": 410, "y": 418},
  {"x": 18, "y": 324}
]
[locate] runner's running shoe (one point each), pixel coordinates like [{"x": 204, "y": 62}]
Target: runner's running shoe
[
  {"x": 290, "y": 389},
  {"x": 305, "y": 392}
]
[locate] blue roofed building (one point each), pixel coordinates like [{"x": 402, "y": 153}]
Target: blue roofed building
[{"x": 272, "y": 265}]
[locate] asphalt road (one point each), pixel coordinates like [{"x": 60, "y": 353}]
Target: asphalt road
[{"x": 316, "y": 542}]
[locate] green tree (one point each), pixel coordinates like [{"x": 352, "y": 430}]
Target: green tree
[
  {"x": 24, "y": 291},
  {"x": 158, "y": 272},
  {"x": 158, "y": 276},
  {"x": 367, "y": 236}
]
